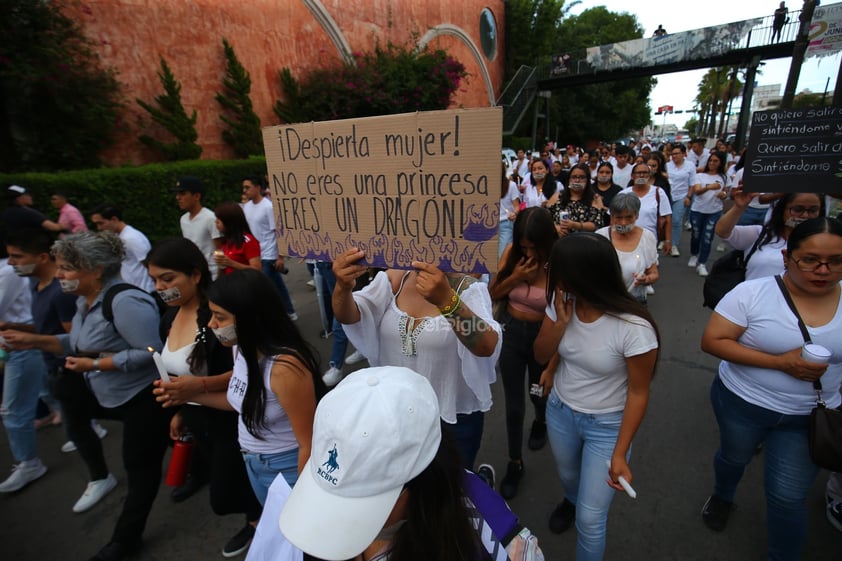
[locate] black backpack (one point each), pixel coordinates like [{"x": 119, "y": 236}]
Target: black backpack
[{"x": 114, "y": 290}]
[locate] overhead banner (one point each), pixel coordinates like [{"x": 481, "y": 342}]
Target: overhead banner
[
  {"x": 825, "y": 31},
  {"x": 411, "y": 187},
  {"x": 665, "y": 49},
  {"x": 795, "y": 150}
]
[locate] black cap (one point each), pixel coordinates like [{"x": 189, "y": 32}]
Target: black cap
[{"x": 189, "y": 183}]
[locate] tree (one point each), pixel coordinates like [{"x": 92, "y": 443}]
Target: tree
[
  {"x": 388, "y": 80},
  {"x": 59, "y": 106},
  {"x": 531, "y": 28},
  {"x": 600, "y": 111},
  {"x": 691, "y": 125},
  {"x": 718, "y": 87},
  {"x": 171, "y": 115},
  {"x": 243, "y": 132}
]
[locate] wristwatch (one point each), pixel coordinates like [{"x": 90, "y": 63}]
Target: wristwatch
[{"x": 96, "y": 365}]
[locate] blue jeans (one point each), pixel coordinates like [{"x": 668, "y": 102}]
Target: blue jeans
[
  {"x": 275, "y": 276},
  {"x": 340, "y": 340},
  {"x": 701, "y": 238},
  {"x": 788, "y": 471},
  {"x": 677, "y": 221},
  {"x": 467, "y": 432},
  {"x": 753, "y": 216},
  {"x": 506, "y": 232},
  {"x": 24, "y": 379},
  {"x": 581, "y": 444},
  {"x": 263, "y": 468}
]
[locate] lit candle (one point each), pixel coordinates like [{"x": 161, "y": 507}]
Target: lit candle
[{"x": 159, "y": 364}]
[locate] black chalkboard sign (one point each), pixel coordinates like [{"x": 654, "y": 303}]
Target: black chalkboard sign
[{"x": 795, "y": 150}]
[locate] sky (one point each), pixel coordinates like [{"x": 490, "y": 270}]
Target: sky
[{"x": 680, "y": 88}]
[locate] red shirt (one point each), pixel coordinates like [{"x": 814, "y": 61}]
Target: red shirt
[{"x": 249, "y": 250}]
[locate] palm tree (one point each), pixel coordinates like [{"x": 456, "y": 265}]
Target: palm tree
[{"x": 716, "y": 90}]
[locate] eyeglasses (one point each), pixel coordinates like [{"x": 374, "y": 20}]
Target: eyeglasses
[
  {"x": 811, "y": 264},
  {"x": 798, "y": 209}
]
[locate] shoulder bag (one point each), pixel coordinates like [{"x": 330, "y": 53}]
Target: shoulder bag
[
  {"x": 727, "y": 272},
  {"x": 825, "y": 434}
]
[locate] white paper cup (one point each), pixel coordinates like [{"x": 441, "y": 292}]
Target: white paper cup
[{"x": 815, "y": 353}]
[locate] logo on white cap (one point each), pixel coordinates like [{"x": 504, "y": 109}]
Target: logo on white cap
[{"x": 332, "y": 465}]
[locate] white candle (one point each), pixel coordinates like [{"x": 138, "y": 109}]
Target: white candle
[
  {"x": 159, "y": 364},
  {"x": 623, "y": 483}
]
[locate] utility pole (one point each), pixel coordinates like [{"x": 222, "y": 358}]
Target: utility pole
[{"x": 798, "y": 51}]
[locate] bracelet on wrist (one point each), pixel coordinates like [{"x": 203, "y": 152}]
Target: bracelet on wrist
[
  {"x": 96, "y": 365},
  {"x": 451, "y": 308},
  {"x": 454, "y": 298}
]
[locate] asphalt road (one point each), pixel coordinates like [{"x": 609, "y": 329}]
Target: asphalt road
[{"x": 671, "y": 459}]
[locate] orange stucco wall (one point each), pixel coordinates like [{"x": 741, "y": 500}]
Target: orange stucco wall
[{"x": 267, "y": 36}]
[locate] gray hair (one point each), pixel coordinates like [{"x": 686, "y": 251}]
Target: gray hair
[
  {"x": 625, "y": 202},
  {"x": 87, "y": 251}
]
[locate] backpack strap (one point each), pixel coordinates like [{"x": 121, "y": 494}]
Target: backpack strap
[{"x": 108, "y": 299}]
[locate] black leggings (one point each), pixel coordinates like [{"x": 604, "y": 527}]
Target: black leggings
[
  {"x": 145, "y": 440},
  {"x": 218, "y": 455},
  {"x": 516, "y": 357}
]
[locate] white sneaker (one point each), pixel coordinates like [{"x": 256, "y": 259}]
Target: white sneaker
[
  {"x": 650, "y": 289},
  {"x": 674, "y": 251},
  {"x": 688, "y": 226},
  {"x": 660, "y": 246},
  {"x": 694, "y": 260},
  {"x": 23, "y": 474},
  {"x": 312, "y": 284},
  {"x": 293, "y": 316},
  {"x": 94, "y": 493},
  {"x": 332, "y": 376},
  {"x": 100, "y": 431},
  {"x": 720, "y": 248},
  {"x": 354, "y": 358},
  {"x": 702, "y": 270}
]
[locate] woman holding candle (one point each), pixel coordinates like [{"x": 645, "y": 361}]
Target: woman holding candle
[
  {"x": 605, "y": 345},
  {"x": 108, "y": 374},
  {"x": 764, "y": 391},
  {"x": 196, "y": 363},
  {"x": 240, "y": 250}
]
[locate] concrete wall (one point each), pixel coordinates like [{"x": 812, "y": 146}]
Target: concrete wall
[{"x": 268, "y": 35}]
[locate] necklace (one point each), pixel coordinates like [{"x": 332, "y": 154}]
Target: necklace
[{"x": 410, "y": 338}]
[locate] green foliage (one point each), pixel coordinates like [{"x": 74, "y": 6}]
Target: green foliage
[
  {"x": 717, "y": 88},
  {"x": 804, "y": 100},
  {"x": 386, "y": 81},
  {"x": 531, "y": 28},
  {"x": 599, "y": 111},
  {"x": 243, "y": 132},
  {"x": 691, "y": 125},
  {"x": 171, "y": 115},
  {"x": 290, "y": 110},
  {"x": 58, "y": 105},
  {"x": 144, "y": 192}
]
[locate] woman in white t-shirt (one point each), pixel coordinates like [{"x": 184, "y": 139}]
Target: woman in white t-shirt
[
  {"x": 706, "y": 210},
  {"x": 605, "y": 345},
  {"x": 765, "y": 243},
  {"x": 509, "y": 207},
  {"x": 764, "y": 391},
  {"x": 654, "y": 203}
]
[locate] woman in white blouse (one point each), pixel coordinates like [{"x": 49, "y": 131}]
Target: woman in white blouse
[
  {"x": 438, "y": 324},
  {"x": 637, "y": 248}
]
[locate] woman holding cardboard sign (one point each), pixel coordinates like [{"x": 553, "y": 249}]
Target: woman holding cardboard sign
[{"x": 439, "y": 324}]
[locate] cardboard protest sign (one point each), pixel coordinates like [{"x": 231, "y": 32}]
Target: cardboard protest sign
[
  {"x": 416, "y": 186},
  {"x": 795, "y": 150}
]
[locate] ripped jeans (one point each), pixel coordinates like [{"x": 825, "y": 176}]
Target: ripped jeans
[{"x": 701, "y": 237}]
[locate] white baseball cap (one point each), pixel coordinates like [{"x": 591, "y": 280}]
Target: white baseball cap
[{"x": 376, "y": 431}]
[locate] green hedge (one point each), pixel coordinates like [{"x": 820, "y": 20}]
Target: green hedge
[{"x": 144, "y": 192}]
